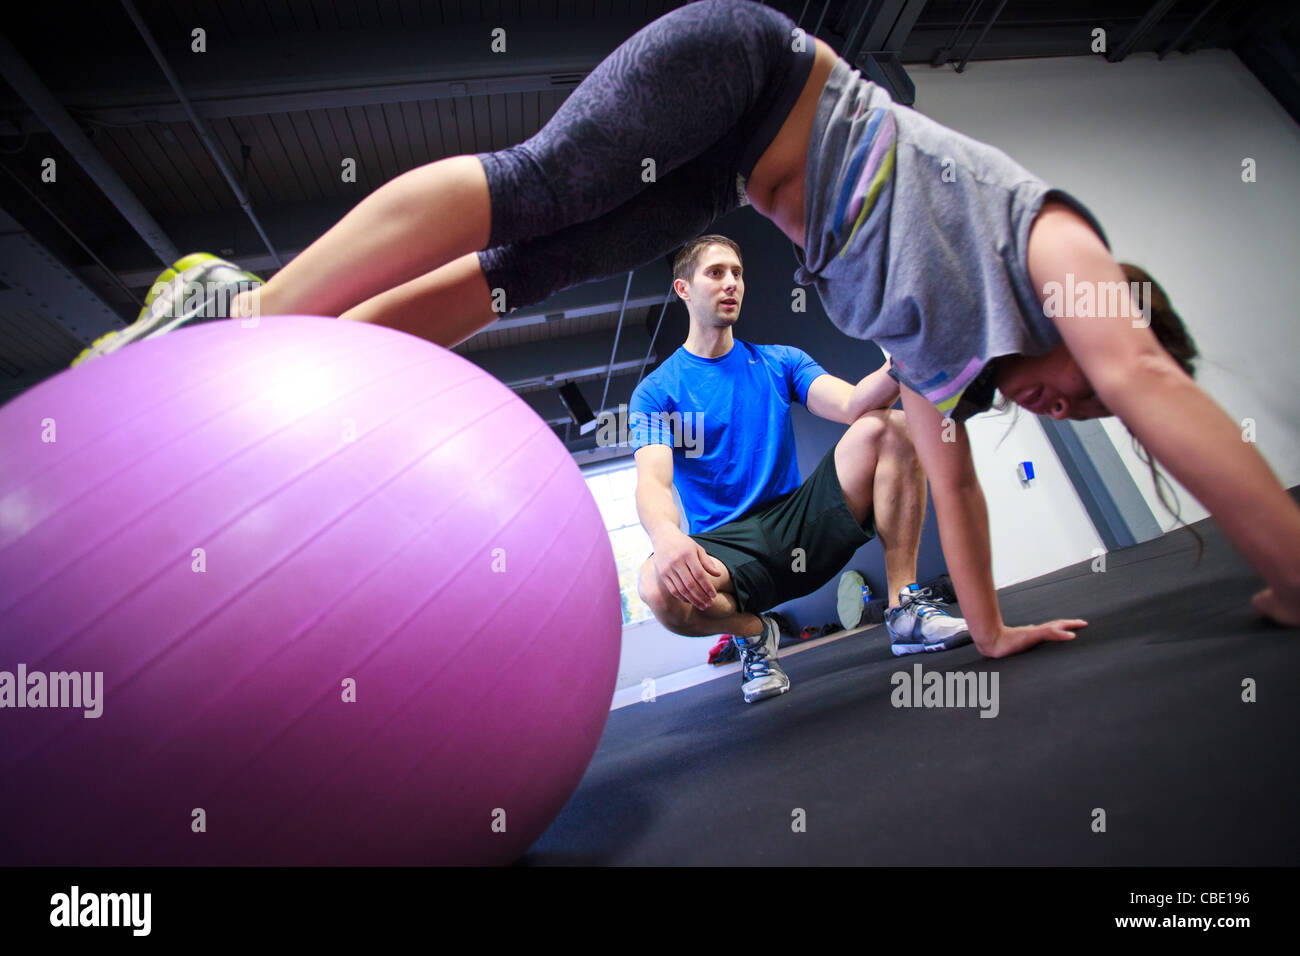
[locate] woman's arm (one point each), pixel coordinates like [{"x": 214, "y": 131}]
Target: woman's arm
[
  {"x": 1191, "y": 436},
  {"x": 944, "y": 450},
  {"x": 1174, "y": 419}
]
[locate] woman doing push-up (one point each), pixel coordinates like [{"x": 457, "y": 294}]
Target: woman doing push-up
[{"x": 974, "y": 275}]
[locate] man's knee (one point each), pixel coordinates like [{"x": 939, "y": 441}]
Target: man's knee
[
  {"x": 896, "y": 440},
  {"x": 856, "y": 457},
  {"x": 868, "y": 432},
  {"x": 876, "y": 437},
  {"x": 865, "y": 441},
  {"x": 668, "y": 610}
]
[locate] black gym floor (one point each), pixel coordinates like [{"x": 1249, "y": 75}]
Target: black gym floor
[{"x": 1142, "y": 716}]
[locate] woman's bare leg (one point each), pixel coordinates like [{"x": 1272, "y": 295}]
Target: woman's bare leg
[
  {"x": 406, "y": 228},
  {"x": 445, "y": 306}
]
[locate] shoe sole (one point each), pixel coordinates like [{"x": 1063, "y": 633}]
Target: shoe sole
[
  {"x": 755, "y": 698},
  {"x": 120, "y": 338},
  {"x": 957, "y": 640}
]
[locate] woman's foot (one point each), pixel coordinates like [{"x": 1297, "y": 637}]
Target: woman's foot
[{"x": 196, "y": 288}]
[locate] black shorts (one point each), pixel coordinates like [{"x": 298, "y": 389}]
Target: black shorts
[{"x": 789, "y": 547}]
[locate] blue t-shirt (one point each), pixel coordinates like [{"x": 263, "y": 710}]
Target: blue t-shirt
[{"x": 727, "y": 420}]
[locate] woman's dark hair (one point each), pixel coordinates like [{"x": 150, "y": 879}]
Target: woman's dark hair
[
  {"x": 1165, "y": 323},
  {"x": 1172, "y": 334}
]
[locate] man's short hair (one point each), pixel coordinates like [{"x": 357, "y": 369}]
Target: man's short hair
[{"x": 688, "y": 260}]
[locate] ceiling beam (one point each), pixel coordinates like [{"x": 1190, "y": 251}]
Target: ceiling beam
[
  {"x": 650, "y": 283},
  {"x": 51, "y": 114},
  {"x": 1276, "y": 67},
  {"x": 327, "y": 70},
  {"x": 555, "y": 361},
  {"x": 35, "y": 285},
  {"x": 546, "y": 403},
  {"x": 1007, "y": 41},
  {"x": 1144, "y": 26},
  {"x": 889, "y": 24}
]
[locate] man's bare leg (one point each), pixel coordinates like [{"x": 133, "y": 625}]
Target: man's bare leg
[
  {"x": 878, "y": 468},
  {"x": 877, "y": 463},
  {"x": 760, "y": 674},
  {"x": 900, "y": 507}
]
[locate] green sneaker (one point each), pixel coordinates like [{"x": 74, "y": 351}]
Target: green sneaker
[{"x": 196, "y": 288}]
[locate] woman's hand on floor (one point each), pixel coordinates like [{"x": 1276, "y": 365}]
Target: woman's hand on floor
[
  {"x": 1013, "y": 640},
  {"x": 1277, "y": 608}
]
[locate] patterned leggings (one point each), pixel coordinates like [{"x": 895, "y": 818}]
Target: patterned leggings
[{"x": 702, "y": 91}]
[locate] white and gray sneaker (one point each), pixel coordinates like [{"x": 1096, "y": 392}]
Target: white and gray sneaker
[
  {"x": 194, "y": 289},
  {"x": 760, "y": 675},
  {"x": 919, "y": 624}
]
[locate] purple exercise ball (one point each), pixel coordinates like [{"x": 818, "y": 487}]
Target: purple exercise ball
[{"x": 351, "y": 600}]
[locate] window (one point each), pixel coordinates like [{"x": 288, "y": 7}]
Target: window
[{"x": 615, "y": 492}]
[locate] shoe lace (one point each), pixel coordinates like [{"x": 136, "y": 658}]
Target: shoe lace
[
  {"x": 754, "y": 657},
  {"x": 922, "y": 603}
]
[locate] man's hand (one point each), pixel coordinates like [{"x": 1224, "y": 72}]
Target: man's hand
[
  {"x": 687, "y": 570},
  {"x": 1013, "y": 640},
  {"x": 835, "y": 399}
]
